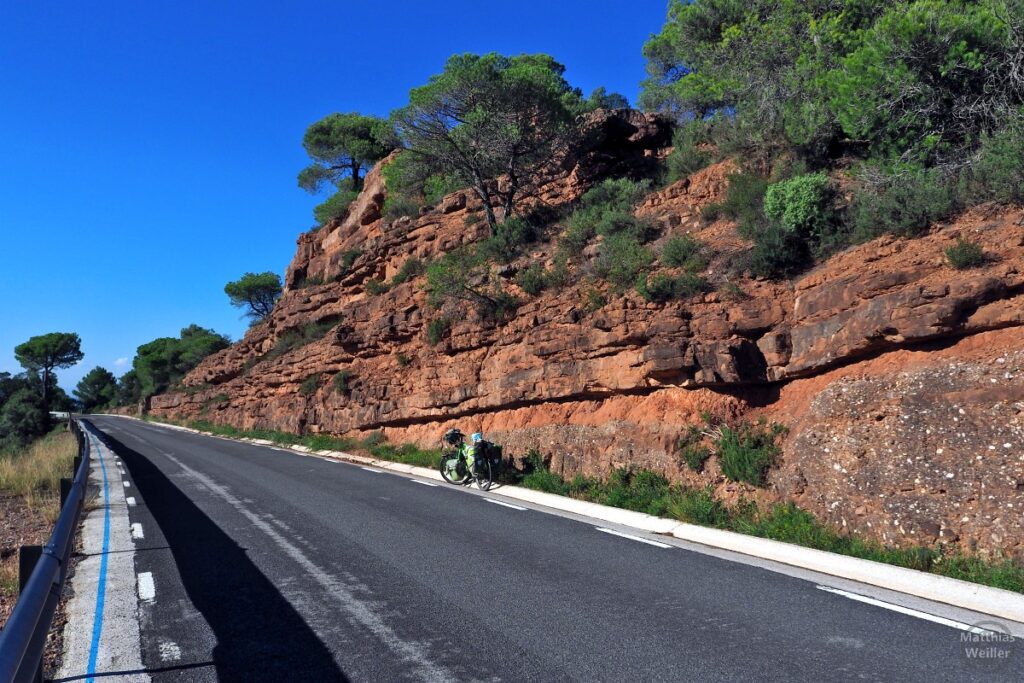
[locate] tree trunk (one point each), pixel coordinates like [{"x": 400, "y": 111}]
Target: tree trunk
[
  {"x": 357, "y": 182},
  {"x": 485, "y": 196}
]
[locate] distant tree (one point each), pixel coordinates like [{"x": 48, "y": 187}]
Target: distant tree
[
  {"x": 341, "y": 145},
  {"x": 129, "y": 390},
  {"x": 255, "y": 291},
  {"x": 98, "y": 389},
  {"x": 23, "y": 417},
  {"x": 42, "y": 354},
  {"x": 487, "y": 117},
  {"x": 165, "y": 361},
  {"x": 600, "y": 98}
]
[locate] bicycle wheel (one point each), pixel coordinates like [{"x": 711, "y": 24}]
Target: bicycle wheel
[
  {"x": 482, "y": 473},
  {"x": 450, "y": 471}
]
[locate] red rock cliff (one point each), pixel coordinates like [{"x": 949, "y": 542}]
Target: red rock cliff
[{"x": 901, "y": 379}]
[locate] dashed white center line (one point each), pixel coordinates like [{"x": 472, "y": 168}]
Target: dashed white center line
[
  {"x": 130, "y": 501},
  {"x": 633, "y": 538},
  {"x": 425, "y": 483},
  {"x": 137, "y": 531},
  {"x": 169, "y": 651},
  {"x": 147, "y": 589},
  {"x": 504, "y": 505},
  {"x": 906, "y": 610},
  {"x": 127, "y": 484}
]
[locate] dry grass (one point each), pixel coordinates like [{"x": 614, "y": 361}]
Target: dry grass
[{"x": 34, "y": 472}]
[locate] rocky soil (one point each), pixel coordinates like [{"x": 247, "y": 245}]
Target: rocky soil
[{"x": 869, "y": 359}]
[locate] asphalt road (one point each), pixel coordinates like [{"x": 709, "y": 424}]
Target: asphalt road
[{"x": 273, "y": 566}]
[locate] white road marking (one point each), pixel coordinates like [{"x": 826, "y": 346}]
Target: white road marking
[
  {"x": 425, "y": 483},
  {"x": 130, "y": 501},
  {"x": 633, "y": 538},
  {"x": 370, "y": 469},
  {"x": 137, "y": 531},
  {"x": 362, "y": 611},
  {"x": 147, "y": 589},
  {"x": 169, "y": 651},
  {"x": 504, "y": 505},
  {"x": 127, "y": 484},
  {"x": 906, "y": 610}
]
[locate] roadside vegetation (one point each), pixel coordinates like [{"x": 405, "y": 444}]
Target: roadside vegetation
[
  {"x": 645, "y": 491},
  {"x": 30, "y": 492}
]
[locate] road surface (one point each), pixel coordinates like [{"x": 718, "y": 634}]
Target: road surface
[{"x": 256, "y": 564}]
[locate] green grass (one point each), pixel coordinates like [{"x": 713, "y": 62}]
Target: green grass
[{"x": 651, "y": 493}]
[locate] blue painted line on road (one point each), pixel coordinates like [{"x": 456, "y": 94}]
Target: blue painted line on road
[{"x": 97, "y": 620}]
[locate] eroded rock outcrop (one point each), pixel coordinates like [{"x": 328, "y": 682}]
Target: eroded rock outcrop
[{"x": 602, "y": 386}]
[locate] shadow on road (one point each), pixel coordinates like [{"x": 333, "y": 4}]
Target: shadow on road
[{"x": 260, "y": 636}]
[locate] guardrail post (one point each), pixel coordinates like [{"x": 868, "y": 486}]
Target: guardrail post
[
  {"x": 65, "y": 491},
  {"x": 28, "y": 556}
]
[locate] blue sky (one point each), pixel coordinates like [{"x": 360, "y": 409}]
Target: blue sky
[{"x": 148, "y": 150}]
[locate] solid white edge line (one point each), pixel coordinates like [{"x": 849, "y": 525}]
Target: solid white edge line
[
  {"x": 147, "y": 589},
  {"x": 633, "y": 538},
  {"x": 370, "y": 469},
  {"x": 506, "y": 505},
  {"x": 425, "y": 483},
  {"x": 137, "y": 531},
  {"x": 906, "y": 610}
]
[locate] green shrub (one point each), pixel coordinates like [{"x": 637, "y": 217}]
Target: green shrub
[
  {"x": 342, "y": 382},
  {"x": 438, "y": 330},
  {"x": 595, "y": 299},
  {"x": 965, "y": 254},
  {"x": 508, "y": 240},
  {"x": 336, "y": 206},
  {"x": 904, "y": 205},
  {"x": 801, "y": 205},
  {"x": 997, "y": 171},
  {"x": 622, "y": 260},
  {"x": 376, "y": 287},
  {"x": 607, "y": 209},
  {"x": 692, "y": 449},
  {"x": 437, "y": 186},
  {"x": 663, "y": 287},
  {"x": 747, "y": 452},
  {"x": 472, "y": 219},
  {"x": 413, "y": 267},
  {"x": 295, "y": 338},
  {"x": 398, "y": 205},
  {"x": 497, "y": 306},
  {"x": 403, "y": 360},
  {"x": 616, "y": 193},
  {"x": 683, "y": 251},
  {"x": 532, "y": 280},
  {"x": 744, "y": 202},
  {"x": 348, "y": 259},
  {"x": 686, "y": 157},
  {"x": 310, "y": 385},
  {"x": 776, "y": 253}
]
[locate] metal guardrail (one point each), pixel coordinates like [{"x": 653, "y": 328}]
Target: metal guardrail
[{"x": 42, "y": 570}]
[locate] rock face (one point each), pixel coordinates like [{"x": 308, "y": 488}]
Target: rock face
[{"x": 607, "y": 385}]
